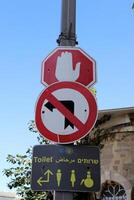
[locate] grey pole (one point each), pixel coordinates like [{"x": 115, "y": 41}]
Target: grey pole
[
  {"x": 68, "y": 24},
  {"x": 67, "y": 38},
  {"x": 63, "y": 195}
]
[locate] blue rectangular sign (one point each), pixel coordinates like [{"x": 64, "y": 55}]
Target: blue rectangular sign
[{"x": 66, "y": 168}]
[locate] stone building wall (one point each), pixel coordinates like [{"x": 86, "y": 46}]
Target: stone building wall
[{"x": 117, "y": 158}]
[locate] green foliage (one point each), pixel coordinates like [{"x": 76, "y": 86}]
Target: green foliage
[
  {"x": 98, "y": 135},
  {"x": 20, "y": 173},
  {"x": 20, "y": 176}
]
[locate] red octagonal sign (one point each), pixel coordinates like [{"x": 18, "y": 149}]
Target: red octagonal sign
[{"x": 68, "y": 64}]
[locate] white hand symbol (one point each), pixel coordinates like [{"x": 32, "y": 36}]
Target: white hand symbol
[{"x": 64, "y": 68}]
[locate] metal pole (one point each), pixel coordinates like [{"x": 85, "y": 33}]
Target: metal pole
[
  {"x": 67, "y": 38},
  {"x": 63, "y": 195},
  {"x": 68, "y": 24}
]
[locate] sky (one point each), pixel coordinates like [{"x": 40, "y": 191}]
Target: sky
[{"x": 28, "y": 33}]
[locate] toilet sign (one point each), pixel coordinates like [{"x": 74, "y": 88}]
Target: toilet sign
[
  {"x": 65, "y": 168},
  {"x": 65, "y": 112},
  {"x": 68, "y": 64}
]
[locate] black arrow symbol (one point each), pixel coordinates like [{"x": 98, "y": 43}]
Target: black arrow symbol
[
  {"x": 69, "y": 105},
  {"x": 49, "y": 106}
]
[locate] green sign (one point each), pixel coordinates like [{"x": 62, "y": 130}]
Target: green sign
[{"x": 65, "y": 168}]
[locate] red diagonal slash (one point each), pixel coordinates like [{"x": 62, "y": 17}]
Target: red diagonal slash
[
  {"x": 83, "y": 128},
  {"x": 59, "y": 106}
]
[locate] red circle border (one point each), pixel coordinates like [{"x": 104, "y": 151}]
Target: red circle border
[{"x": 64, "y": 139}]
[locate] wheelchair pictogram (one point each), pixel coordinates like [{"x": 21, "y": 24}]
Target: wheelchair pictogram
[{"x": 88, "y": 181}]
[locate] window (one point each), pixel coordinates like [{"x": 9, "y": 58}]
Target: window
[{"x": 112, "y": 191}]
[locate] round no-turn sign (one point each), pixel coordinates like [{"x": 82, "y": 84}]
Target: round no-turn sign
[{"x": 65, "y": 112}]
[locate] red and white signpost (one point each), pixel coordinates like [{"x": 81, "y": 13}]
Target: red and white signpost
[
  {"x": 65, "y": 112},
  {"x": 68, "y": 64}
]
